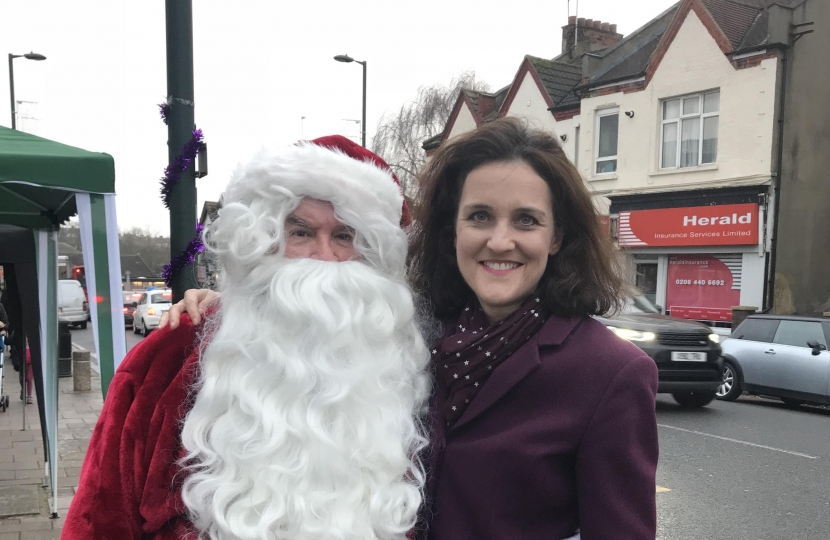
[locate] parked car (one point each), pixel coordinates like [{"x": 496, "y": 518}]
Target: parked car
[
  {"x": 149, "y": 309},
  {"x": 130, "y": 298},
  {"x": 781, "y": 356},
  {"x": 72, "y": 305},
  {"x": 687, "y": 353}
]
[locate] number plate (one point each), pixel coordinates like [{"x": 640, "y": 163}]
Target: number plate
[{"x": 688, "y": 356}]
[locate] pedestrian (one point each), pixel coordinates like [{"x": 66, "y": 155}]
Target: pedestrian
[
  {"x": 543, "y": 422},
  {"x": 4, "y": 323},
  {"x": 15, "y": 337},
  {"x": 296, "y": 412},
  {"x": 30, "y": 379}
]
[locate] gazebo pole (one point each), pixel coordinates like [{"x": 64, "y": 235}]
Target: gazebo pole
[{"x": 180, "y": 126}]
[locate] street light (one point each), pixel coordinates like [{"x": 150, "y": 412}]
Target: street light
[
  {"x": 348, "y": 59},
  {"x": 28, "y": 56}
]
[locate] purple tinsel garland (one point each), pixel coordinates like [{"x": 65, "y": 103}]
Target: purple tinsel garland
[
  {"x": 173, "y": 172},
  {"x": 188, "y": 256},
  {"x": 164, "y": 111}
]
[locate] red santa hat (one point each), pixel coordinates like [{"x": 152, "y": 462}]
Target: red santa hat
[
  {"x": 332, "y": 169},
  {"x": 363, "y": 175}
]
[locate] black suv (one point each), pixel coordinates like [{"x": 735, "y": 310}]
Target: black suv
[{"x": 687, "y": 353}]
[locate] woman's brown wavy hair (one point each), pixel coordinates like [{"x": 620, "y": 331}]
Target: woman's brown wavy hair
[{"x": 582, "y": 279}]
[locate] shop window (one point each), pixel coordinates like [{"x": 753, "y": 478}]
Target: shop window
[
  {"x": 608, "y": 121},
  {"x": 646, "y": 280},
  {"x": 689, "y": 130}
]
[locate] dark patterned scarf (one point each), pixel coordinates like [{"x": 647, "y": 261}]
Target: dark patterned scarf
[{"x": 466, "y": 357}]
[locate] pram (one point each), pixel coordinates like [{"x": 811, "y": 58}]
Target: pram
[{"x": 4, "y": 399}]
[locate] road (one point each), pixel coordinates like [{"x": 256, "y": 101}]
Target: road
[
  {"x": 748, "y": 470},
  {"x": 85, "y": 339}
]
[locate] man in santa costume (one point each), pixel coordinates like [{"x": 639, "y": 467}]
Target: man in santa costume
[{"x": 294, "y": 411}]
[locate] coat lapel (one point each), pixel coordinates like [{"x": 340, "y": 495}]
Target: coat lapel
[{"x": 520, "y": 364}]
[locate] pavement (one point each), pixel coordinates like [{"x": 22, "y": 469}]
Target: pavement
[
  {"x": 749, "y": 470},
  {"x": 22, "y": 458}
]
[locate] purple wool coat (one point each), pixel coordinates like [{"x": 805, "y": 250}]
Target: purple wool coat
[{"x": 562, "y": 438}]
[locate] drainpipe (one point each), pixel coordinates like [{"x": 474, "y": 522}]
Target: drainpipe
[{"x": 769, "y": 283}]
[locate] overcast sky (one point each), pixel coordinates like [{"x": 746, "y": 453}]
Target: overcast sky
[{"x": 259, "y": 67}]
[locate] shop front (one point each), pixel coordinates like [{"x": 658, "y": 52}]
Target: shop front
[{"x": 696, "y": 262}]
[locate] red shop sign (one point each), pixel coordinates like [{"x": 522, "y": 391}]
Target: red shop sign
[
  {"x": 722, "y": 225},
  {"x": 702, "y": 287}
]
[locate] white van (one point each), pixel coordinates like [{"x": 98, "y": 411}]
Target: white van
[{"x": 72, "y": 305}]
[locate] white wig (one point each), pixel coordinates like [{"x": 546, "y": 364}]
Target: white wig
[{"x": 307, "y": 420}]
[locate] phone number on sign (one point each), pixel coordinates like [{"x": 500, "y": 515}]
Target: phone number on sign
[{"x": 713, "y": 282}]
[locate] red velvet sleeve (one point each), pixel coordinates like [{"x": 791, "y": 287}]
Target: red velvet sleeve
[
  {"x": 105, "y": 505},
  {"x": 133, "y": 433},
  {"x": 617, "y": 459}
]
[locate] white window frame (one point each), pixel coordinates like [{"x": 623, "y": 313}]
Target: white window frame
[
  {"x": 600, "y": 114},
  {"x": 679, "y": 121}
]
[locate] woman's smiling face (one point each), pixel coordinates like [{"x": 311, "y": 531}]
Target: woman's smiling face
[{"x": 504, "y": 233}]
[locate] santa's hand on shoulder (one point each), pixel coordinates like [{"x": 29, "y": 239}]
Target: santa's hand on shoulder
[{"x": 195, "y": 303}]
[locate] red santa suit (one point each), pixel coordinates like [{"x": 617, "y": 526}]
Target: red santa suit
[
  {"x": 129, "y": 486},
  {"x": 131, "y": 481}
]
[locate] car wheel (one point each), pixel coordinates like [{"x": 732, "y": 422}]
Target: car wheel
[
  {"x": 144, "y": 330},
  {"x": 693, "y": 400},
  {"x": 730, "y": 389},
  {"x": 792, "y": 403},
  {"x": 135, "y": 327},
  {"x": 83, "y": 325}
]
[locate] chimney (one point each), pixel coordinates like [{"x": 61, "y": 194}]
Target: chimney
[{"x": 591, "y": 36}]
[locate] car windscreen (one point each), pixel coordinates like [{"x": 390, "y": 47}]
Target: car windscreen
[
  {"x": 640, "y": 304},
  {"x": 161, "y": 298}
]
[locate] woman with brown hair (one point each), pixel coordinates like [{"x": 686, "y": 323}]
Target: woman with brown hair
[{"x": 543, "y": 422}]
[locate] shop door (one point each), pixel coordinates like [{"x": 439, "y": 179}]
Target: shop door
[
  {"x": 646, "y": 280},
  {"x": 704, "y": 287}
]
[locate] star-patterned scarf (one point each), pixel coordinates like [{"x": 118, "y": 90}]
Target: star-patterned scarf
[{"x": 466, "y": 357}]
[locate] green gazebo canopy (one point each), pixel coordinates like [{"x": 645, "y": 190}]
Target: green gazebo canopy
[
  {"x": 39, "y": 178},
  {"x": 42, "y": 184}
]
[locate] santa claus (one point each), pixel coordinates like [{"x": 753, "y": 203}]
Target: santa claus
[{"x": 294, "y": 411}]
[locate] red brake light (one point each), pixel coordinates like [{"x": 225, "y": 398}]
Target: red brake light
[
  {"x": 167, "y": 295},
  {"x": 126, "y": 309},
  {"x": 86, "y": 305}
]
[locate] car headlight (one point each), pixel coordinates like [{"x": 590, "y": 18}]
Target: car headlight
[
  {"x": 632, "y": 335},
  {"x": 714, "y": 338}
]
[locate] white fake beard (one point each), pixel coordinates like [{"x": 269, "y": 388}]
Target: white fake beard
[{"x": 307, "y": 421}]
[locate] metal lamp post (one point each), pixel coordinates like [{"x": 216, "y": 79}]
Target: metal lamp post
[
  {"x": 348, "y": 59},
  {"x": 28, "y": 56}
]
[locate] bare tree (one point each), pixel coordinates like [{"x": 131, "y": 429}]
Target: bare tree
[{"x": 400, "y": 135}]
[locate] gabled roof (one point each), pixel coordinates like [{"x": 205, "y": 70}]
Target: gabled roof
[
  {"x": 433, "y": 142},
  {"x": 484, "y": 107},
  {"x": 736, "y": 25},
  {"x": 556, "y": 81},
  {"x": 210, "y": 209},
  {"x": 558, "y": 78}
]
